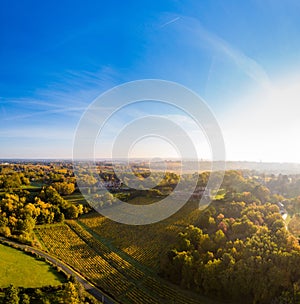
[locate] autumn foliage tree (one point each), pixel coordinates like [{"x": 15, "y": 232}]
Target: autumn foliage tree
[{"x": 238, "y": 251}]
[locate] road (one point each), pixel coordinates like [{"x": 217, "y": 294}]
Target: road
[{"x": 89, "y": 287}]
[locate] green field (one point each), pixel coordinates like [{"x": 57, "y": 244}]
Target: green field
[
  {"x": 20, "y": 269},
  {"x": 75, "y": 198}
]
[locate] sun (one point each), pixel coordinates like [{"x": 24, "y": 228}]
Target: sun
[{"x": 265, "y": 125}]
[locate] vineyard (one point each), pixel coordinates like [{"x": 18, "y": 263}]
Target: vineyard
[
  {"x": 111, "y": 272},
  {"x": 70, "y": 248},
  {"x": 146, "y": 244}
]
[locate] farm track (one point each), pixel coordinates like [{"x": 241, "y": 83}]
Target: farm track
[{"x": 88, "y": 286}]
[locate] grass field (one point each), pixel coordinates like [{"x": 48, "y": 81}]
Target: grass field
[
  {"x": 17, "y": 265},
  {"x": 75, "y": 198},
  {"x": 144, "y": 200}
]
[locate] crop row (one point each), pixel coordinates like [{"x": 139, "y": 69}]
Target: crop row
[
  {"x": 137, "y": 296},
  {"x": 145, "y": 246},
  {"x": 67, "y": 246},
  {"x": 106, "y": 269},
  {"x": 167, "y": 292},
  {"x": 111, "y": 257}
]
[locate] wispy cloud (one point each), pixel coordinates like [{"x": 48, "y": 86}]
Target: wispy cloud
[
  {"x": 218, "y": 46},
  {"x": 69, "y": 96},
  {"x": 40, "y": 133},
  {"x": 44, "y": 123},
  {"x": 63, "y": 111}
]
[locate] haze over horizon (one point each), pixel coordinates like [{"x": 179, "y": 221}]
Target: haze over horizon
[{"x": 243, "y": 59}]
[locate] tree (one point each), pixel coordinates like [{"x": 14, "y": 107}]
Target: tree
[
  {"x": 262, "y": 193},
  {"x": 12, "y": 181},
  {"x": 220, "y": 238},
  {"x": 25, "y": 299},
  {"x": 50, "y": 194},
  {"x": 11, "y": 295},
  {"x": 64, "y": 188},
  {"x": 32, "y": 210},
  {"x": 5, "y": 231},
  {"x": 26, "y": 225},
  {"x": 70, "y": 294},
  {"x": 72, "y": 212}
]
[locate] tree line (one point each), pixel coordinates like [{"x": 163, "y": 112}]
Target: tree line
[
  {"x": 239, "y": 248},
  {"x": 69, "y": 292}
]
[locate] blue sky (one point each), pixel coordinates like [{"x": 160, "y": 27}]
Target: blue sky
[{"x": 242, "y": 57}]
